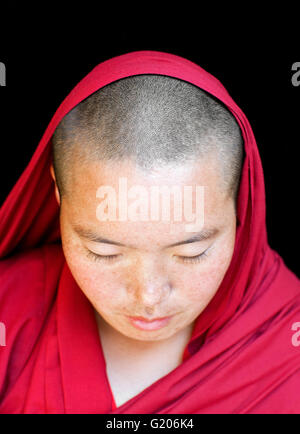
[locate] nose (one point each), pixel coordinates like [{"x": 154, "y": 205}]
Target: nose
[{"x": 150, "y": 283}]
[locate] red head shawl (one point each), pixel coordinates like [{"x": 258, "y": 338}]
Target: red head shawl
[{"x": 240, "y": 359}]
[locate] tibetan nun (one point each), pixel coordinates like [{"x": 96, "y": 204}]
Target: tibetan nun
[{"x": 112, "y": 304}]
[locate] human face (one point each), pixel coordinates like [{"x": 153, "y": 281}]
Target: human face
[{"x": 145, "y": 274}]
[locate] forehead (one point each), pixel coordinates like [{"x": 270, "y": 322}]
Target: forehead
[
  {"x": 88, "y": 179},
  {"x": 86, "y": 176}
]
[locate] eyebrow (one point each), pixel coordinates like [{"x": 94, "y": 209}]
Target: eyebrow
[{"x": 205, "y": 234}]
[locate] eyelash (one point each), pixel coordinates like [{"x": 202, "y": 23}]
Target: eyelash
[
  {"x": 96, "y": 257},
  {"x": 193, "y": 259},
  {"x": 184, "y": 259}
]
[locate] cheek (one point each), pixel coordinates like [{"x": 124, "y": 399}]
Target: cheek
[
  {"x": 202, "y": 281},
  {"x": 100, "y": 285}
]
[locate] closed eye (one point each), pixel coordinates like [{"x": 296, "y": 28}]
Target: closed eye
[
  {"x": 97, "y": 257},
  {"x": 184, "y": 259},
  {"x": 193, "y": 259}
]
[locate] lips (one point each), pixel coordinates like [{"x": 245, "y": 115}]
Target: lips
[
  {"x": 140, "y": 318},
  {"x": 146, "y": 324}
]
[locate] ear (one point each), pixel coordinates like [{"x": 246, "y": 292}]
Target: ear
[{"x": 57, "y": 195}]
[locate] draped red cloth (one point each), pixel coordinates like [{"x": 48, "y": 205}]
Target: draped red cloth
[{"x": 240, "y": 358}]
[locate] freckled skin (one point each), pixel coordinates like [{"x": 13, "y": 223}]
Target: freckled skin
[{"x": 148, "y": 279}]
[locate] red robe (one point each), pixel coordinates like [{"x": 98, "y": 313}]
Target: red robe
[{"x": 243, "y": 356}]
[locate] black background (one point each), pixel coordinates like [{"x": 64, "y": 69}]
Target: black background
[{"x": 46, "y": 59}]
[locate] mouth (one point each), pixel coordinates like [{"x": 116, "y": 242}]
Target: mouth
[{"x": 146, "y": 324}]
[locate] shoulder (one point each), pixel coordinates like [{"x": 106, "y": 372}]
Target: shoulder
[
  {"x": 28, "y": 286},
  {"x": 28, "y": 282},
  {"x": 24, "y": 275}
]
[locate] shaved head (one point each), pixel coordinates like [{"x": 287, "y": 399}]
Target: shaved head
[{"x": 152, "y": 120}]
